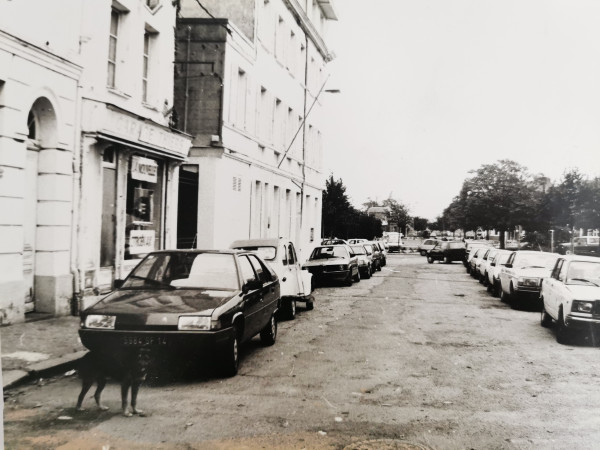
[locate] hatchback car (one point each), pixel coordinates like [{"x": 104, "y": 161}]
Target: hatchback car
[
  {"x": 334, "y": 263},
  {"x": 365, "y": 259},
  {"x": 187, "y": 303},
  {"x": 280, "y": 254},
  {"x": 571, "y": 297},
  {"x": 522, "y": 274},
  {"x": 495, "y": 263},
  {"x": 446, "y": 251},
  {"x": 426, "y": 245}
]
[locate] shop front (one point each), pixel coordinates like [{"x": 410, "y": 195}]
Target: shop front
[{"x": 130, "y": 173}]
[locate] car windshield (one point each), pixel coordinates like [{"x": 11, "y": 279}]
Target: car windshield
[
  {"x": 359, "y": 250},
  {"x": 268, "y": 253},
  {"x": 584, "y": 272},
  {"x": 329, "y": 252},
  {"x": 184, "y": 270},
  {"x": 535, "y": 260}
]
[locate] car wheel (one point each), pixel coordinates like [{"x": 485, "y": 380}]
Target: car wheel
[
  {"x": 379, "y": 267},
  {"x": 368, "y": 272},
  {"x": 468, "y": 269},
  {"x": 447, "y": 259},
  {"x": 562, "y": 333},
  {"x": 423, "y": 253},
  {"x": 430, "y": 260},
  {"x": 310, "y": 306},
  {"x": 545, "y": 319},
  {"x": 496, "y": 289},
  {"x": 357, "y": 276},
  {"x": 504, "y": 296},
  {"x": 230, "y": 361},
  {"x": 289, "y": 309},
  {"x": 348, "y": 280},
  {"x": 269, "y": 333}
]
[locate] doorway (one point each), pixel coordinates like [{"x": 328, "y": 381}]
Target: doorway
[{"x": 187, "y": 207}]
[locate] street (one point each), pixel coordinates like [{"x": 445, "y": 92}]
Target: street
[{"x": 418, "y": 356}]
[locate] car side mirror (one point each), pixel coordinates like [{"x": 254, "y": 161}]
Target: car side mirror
[
  {"x": 352, "y": 255},
  {"x": 118, "y": 283},
  {"x": 493, "y": 264},
  {"x": 509, "y": 266}
]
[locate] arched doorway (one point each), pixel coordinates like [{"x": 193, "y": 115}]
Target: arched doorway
[{"x": 41, "y": 125}]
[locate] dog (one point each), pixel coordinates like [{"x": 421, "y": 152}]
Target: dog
[{"x": 129, "y": 369}]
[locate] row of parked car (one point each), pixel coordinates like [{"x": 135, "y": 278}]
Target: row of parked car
[
  {"x": 565, "y": 287},
  {"x": 201, "y": 305}
]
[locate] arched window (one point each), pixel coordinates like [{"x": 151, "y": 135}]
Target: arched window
[{"x": 31, "y": 125}]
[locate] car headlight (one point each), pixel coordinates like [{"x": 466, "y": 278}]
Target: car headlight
[
  {"x": 100, "y": 321},
  {"x": 195, "y": 323},
  {"x": 584, "y": 307},
  {"x": 530, "y": 282}
]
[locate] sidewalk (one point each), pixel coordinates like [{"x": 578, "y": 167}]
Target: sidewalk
[{"x": 33, "y": 349}]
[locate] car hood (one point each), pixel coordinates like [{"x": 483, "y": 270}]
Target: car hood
[
  {"x": 584, "y": 292},
  {"x": 325, "y": 262},
  {"x": 181, "y": 301}
]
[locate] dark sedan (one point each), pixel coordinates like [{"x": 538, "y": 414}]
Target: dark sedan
[
  {"x": 333, "y": 262},
  {"x": 190, "y": 304},
  {"x": 447, "y": 251}
]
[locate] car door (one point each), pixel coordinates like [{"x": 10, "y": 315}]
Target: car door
[
  {"x": 253, "y": 298},
  {"x": 303, "y": 276},
  {"x": 291, "y": 269},
  {"x": 269, "y": 290},
  {"x": 506, "y": 273},
  {"x": 549, "y": 289}
]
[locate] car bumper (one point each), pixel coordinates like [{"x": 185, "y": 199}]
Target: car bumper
[
  {"x": 167, "y": 342},
  {"x": 575, "y": 320},
  {"x": 323, "y": 274}
]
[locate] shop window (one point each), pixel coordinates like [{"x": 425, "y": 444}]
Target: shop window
[{"x": 144, "y": 207}]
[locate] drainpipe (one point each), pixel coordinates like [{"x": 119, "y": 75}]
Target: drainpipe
[
  {"x": 76, "y": 300},
  {"x": 187, "y": 82}
]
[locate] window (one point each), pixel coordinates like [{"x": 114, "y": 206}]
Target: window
[
  {"x": 112, "y": 47},
  {"x": 247, "y": 271},
  {"x": 145, "y": 66}
]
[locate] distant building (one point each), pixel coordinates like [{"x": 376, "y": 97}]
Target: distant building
[
  {"x": 383, "y": 213},
  {"x": 246, "y": 80}
]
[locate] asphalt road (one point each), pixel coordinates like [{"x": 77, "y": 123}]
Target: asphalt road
[{"x": 419, "y": 356}]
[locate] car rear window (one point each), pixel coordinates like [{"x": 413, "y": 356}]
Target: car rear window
[{"x": 267, "y": 253}]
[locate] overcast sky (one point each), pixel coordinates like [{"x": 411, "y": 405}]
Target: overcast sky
[{"x": 431, "y": 89}]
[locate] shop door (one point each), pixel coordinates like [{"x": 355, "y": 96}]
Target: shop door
[
  {"x": 187, "y": 210},
  {"x": 107, "y": 241},
  {"x": 30, "y": 226}
]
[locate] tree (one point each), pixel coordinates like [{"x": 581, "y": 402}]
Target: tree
[
  {"x": 498, "y": 196},
  {"x": 420, "y": 223},
  {"x": 398, "y": 213},
  {"x": 337, "y": 209}
]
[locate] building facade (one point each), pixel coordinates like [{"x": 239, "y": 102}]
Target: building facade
[
  {"x": 88, "y": 155},
  {"x": 248, "y": 86},
  {"x": 39, "y": 76}
]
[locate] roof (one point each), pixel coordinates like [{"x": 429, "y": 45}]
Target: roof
[
  {"x": 273, "y": 242},
  {"x": 594, "y": 259}
]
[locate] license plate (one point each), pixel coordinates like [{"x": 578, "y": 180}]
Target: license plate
[{"x": 141, "y": 341}]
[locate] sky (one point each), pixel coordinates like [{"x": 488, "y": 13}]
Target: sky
[{"x": 433, "y": 89}]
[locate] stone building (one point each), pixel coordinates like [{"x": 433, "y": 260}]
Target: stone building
[
  {"x": 88, "y": 162},
  {"x": 249, "y": 83}
]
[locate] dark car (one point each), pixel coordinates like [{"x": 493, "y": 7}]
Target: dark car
[
  {"x": 582, "y": 245},
  {"x": 447, "y": 251},
  {"x": 334, "y": 263},
  {"x": 376, "y": 255},
  {"x": 187, "y": 303}
]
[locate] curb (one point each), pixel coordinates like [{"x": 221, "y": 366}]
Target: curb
[{"x": 50, "y": 367}]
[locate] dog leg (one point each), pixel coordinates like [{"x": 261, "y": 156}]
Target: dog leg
[
  {"x": 85, "y": 387},
  {"x": 124, "y": 394},
  {"x": 135, "y": 387},
  {"x": 98, "y": 393}
]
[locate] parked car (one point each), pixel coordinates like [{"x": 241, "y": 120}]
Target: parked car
[
  {"x": 582, "y": 245},
  {"x": 522, "y": 274},
  {"x": 426, "y": 245},
  {"x": 365, "y": 259},
  {"x": 187, "y": 303},
  {"x": 334, "y": 241},
  {"x": 473, "y": 260},
  {"x": 333, "y": 262},
  {"x": 571, "y": 296},
  {"x": 393, "y": 239},
  {"x": 383, "y": 251},
  {"x": 376, "y": 255},
  {"x": 495, "y": 263},
  {"x": 485, "y": 266},
  {"x": 470, "y": 246},
  {"x": 280, "y": 254},
  {"x": 356, "y": 241},
  {"x": 446, "y": 251},
  {"x": 481, "y": 263}
]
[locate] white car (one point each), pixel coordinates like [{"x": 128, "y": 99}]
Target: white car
[
  {"x": 522, "y": 274},
  {"x": 426, "y": 245},
  {"x": 571, "y": 296},
  {"x": 495, "y": 263},
  {"x": 481, "y": 263},
  {"x": 356, "y": 241},
  {"x": 471, "y": 247},
  {"x": 295, "y": 282},
  {"x": 364, "y": 253}
]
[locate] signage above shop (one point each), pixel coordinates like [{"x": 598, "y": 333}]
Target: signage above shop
[{"x": 143, "y": 169}]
